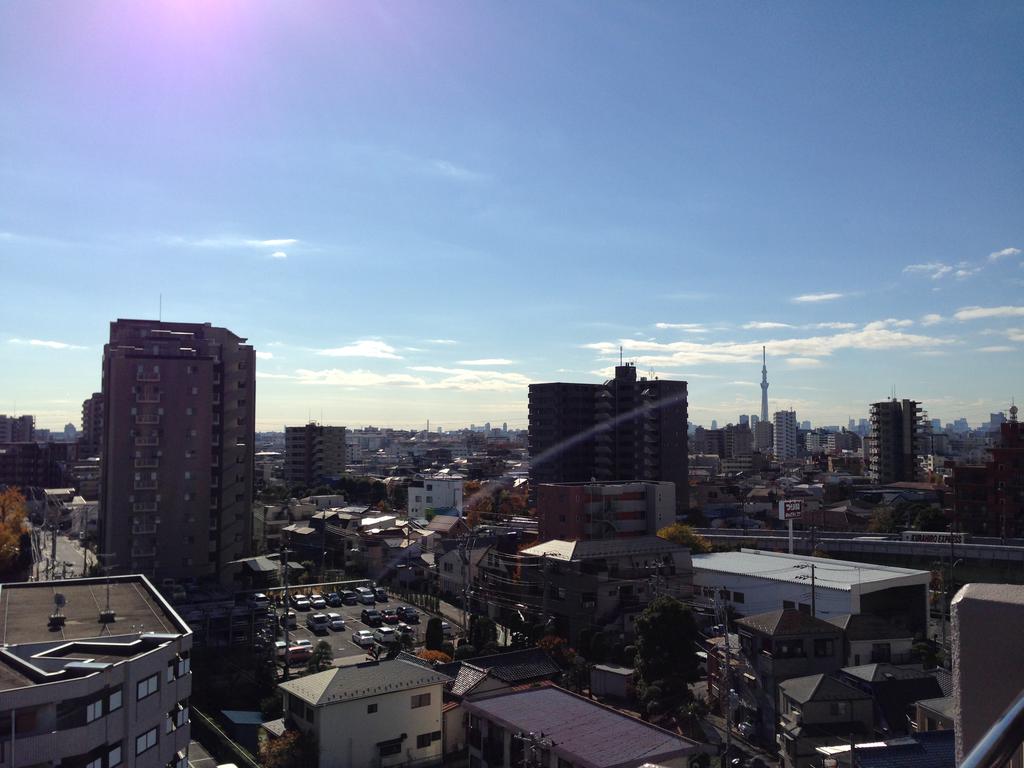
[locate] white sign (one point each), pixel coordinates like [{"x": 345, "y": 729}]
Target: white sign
[{"x": 793, "y": 509}]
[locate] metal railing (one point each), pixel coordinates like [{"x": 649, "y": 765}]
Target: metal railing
[{"x": 1002, "y": 741}]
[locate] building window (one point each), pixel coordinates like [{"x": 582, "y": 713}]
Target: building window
[
  {"x": 824, "y": 648},
  {"x": 114, "y": 757},
  {"x": 97, "y": 763},
  {"x": 423, "y": 741},
  {"x": 145, "y": 741},
  {"x": 147, "y": 687},
  {"x": 114, "y": 702},
  {"x": 738, "y": 597},
  {"x": 839, "y": 708},
  {"x": 421, "y": 700},
  {"x": 94, "y": 711},
  {"x": 389, "y": 748},
  {"x": 371, "y": 708}
]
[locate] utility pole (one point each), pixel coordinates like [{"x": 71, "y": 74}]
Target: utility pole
[
  {"x": 814, "y": 594},
  {"x": 287, "y": 604},
  {"x": 725, "y": 695},
  {"x": 53, "y": 550}
]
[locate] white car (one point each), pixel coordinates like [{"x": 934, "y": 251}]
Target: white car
[
  {"x": 280, "y": 646},
  {"x": 335, "y": 621},
  {"x": 317, "y": 622},
  {"x": 386, "y": 635},
  {"x": 302, "y": 643},
  {"x": 301, "y": 603},
  {"x": 362, "y": 637},
  {"x": 318, "y": 602},
  {"x": 447, "y": 631}
]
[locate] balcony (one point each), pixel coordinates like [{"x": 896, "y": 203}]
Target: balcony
[
  {"x": 151, "y": 462},
  {"x": 147, "y": 484},
  {"x": 147, "y": 376},
  {"x": 144, "y": 530},
  {"x": 147, "y": 397},
  {"x": 147, "y": 442},
  {"x": 144, "y": 553},
  {"x": 144, "y": 506},
  {"x": 147, "y": 418}
]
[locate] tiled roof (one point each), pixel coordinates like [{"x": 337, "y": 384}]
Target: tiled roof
[
  {"x": 518, "y": 666},
  {"x": 786, "y": 622},
  {"x": 581, "y": 731},
  {"x": 820, "y": 688},
  {"x": 362, "y": 680},
  {"x": 932, "y": 749},
  {"x": 865, "y": 626}
]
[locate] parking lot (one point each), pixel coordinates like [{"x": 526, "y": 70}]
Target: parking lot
[{"x": 341, "y": 640}]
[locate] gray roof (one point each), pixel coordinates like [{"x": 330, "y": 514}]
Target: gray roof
[
  {"x": 945, "y": 706},
  {"x": 518, "y": 667},
  {"x": 866, "y": 626},
  {"x": 932, "y": 749},
  {"x": 786, "y": 622},
  {"x": 874, "y": 673},
  {"x": 371, "y": 678},
  {"x": 586, "y": 734},
  {"x": 820, "y": 688}
]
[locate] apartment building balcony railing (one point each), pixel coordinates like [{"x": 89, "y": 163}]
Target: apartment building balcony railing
[
  {"x": 147, "y": 376},
  {"x": 147, "y": 442},
  {"x": 144, "y": 553},
  {"x": 144, "y": 506},
  {"x": 147, "y": 397},
  {"x": 147, "y": 418},
  {"x": 150, "y": 462},
  {"x": 146, "y": 484},
  {"x": 1002, "y": 742},
  {"x": 144, "y": 530}
]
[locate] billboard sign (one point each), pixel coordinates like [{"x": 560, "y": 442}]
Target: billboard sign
[{"x": 791, "y": 509}]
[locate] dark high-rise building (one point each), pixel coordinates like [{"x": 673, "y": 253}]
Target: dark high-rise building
[
  {"x": 17, "y": 429},
  {"x": 989, "y": 498},
  {"x": 895, "y": 445},
  {"x": 626, "y": 429},
  {"x": 92, "y": 427},
  {"x": 177, "y": 462},
  {"x": 313, "y": 454}
]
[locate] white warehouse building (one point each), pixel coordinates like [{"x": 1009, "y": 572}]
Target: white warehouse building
[
  {"x": 436, "y": 492},
  {"x": 752, "y": 581}
]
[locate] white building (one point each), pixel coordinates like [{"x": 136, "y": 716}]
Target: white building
[
  {"x": 753, "y": 582},
  {"x": 437, "y": 492},
  {"x": 784, "y": 433},
  {"x": 458, "y": 569},
  {"x": 385, "y": 713},
  {"x": 79, "y": 691}
]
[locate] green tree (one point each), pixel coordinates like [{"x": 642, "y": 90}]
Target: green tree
[
  {"x": 322, "y": 657},
  {"x": 666, "y": 658},
  {"x": 883, "y": 520},
  {"x": 465, "y": 651},
  {"x": 684, "y": 535},
  {"x": 482, "y": 631},
  {"x": 433, "y": 639}
]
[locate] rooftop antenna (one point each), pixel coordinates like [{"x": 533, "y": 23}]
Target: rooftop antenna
[
  {"x": 620, "y": 354},
  {"x": 107, "y": 615}
]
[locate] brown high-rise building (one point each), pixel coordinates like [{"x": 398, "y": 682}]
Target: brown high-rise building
[
  {"x": 313, "y": 455},
  {"x": 989, "y": 498},
  {"x": 92, "y": 427},
  {"x": 895, "y": 445},
  {"x": 627, "y": 429},
  {"x": 177, "y": 462}
]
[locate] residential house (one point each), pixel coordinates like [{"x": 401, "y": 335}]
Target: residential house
[
  {"x": 457, "y": 569},
  {"x": 895, "y": 691},
  {"x": 550, "y": 727},
  {"x": 870, "y": 639},
  {"x": 818, "y": 710},
  {"x": 778, "y": 646},
  {"x": 378, "y": 713}
]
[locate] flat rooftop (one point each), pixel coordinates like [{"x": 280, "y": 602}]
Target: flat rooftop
[
  {"x": 829, "y": 574},
  {"x": 25, "y": 608}
]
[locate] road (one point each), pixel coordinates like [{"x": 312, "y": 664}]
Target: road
[{"x": 70, "y": 561}]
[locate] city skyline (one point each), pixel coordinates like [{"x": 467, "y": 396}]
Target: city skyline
[{"x": 509, "y": 197}]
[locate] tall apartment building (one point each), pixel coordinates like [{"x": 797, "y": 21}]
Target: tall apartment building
[
  {"x": 178, "y": 434},
  {"x": 764, "y": 436},
  {"x": 578, "y": 511},
  {"x": 627, "y": 429},
  {"x": 313, "y": 454},
  {"x": 85, "y": 689},
  {"x": 989, "y": 498},
  {"x": 92, "y": 426},
  {"x": 17, "y": 429},
  {"x": 784, "y": 435},
  {"x": 895, "y": 445}
]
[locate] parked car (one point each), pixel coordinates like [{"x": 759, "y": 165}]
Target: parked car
[
  {"x": 380, "y": 595},
  {"x": 371, "y": 618},
  {"x": 389, "y": 616},
  {"x": 334, "y": 600},
  {"x": 386, "y": 636},
  {"x": 348, "y": 597},
  {"x": 408, "y": 614},
  {"x": 318, "y": 602},
  {"x": 299, "y": 653},
  {"x": 280, "y": 646},
  {"x": 302, "y": 643},
  {"x": 288, "y": 620},
  {"x": 318, "y": 623},
  {"x": 362, "y": 637},
  {"x": 366, "y": 596},
  {"x": 746, "y": 730},
  {"x": 300, "y": 603},
  {"x": 259, "y": 601},
  {"x": 404, "y": 629},
  {"x": 447, "y": 630},
  {"x": 335, "y": 621}
]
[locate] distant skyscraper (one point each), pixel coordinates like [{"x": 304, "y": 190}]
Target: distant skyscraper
[
  {"x": 805, "y": 425},
  {"x": 744, "y": 420},
  {"x": 313, "y": 455},
  {"x": 92, "y": 426},
  {"x": 714, "y": 423},
  {"x": 177, "y": 462},
  {"x": 895, "y": 445},
  {"x": 17, "y": 429},
  {"x": 754, "y": 420},
  {"x": 764, "y": 385},
  {"x": 784, "y": 433}
]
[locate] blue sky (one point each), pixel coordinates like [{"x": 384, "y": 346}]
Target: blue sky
[{"x": 415, "y": 209}]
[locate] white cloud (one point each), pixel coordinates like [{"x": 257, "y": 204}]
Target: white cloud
[
  {"x": 488, "y": 361},
  {"x": 931, "y": 319},
  {"x": 441, "y": 341},
  {"x": 997, "y": 349},
  {"x": 264, "y": 355},
  {"x": 890, "y": 322},
  {"x": 980, "y": 313},
  {"x": 803, "y": 362},
  {"x": 966, "y": 271},
  {"x": 357, "y": 378},
  {"x": 228, "y": 241},
  {"x": 835, "y": 326},
  {"x": 456, "y": 172},
  {"x": 279, "y": 255},
  {"x": 45, "y": 343},
  {"x": 276, "y": 243},
  {"x": 364, "y": 348},
  {"x": 936, "y": 270},
  {"x": 686, "y": 327},
  {"x": 1004, "y": 254},
  {"x": 1015, "y": 334},
  {"x": 743, "y": 383},
  {"x": 262, "y": 375},
  {"x": 472, "y": 380},
  {"x": 764, "y": 325},
  {"x": 816, "y": 297}
]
